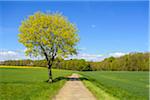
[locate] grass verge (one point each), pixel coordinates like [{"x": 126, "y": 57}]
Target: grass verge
[{"x": 99, "y": 93}]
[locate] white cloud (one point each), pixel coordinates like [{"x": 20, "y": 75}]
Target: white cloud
[
  {"x": 19, "y": 54},
  {"x": 15, "y": 55},
  {"x": 117, "y": 54},
  {"x": 93, "y": 26},
  {"x": 8, "y": 55},
  {"x": 96, "y": 57},
  {"x": 5, "y": 53},
  {"x": 88, "y": 57}
]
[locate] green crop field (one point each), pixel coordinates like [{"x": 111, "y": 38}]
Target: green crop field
[
  {"x": 29, "y": 83},
  {"x": 118, "y": 85}
]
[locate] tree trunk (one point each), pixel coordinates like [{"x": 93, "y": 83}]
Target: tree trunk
[{"x": 50, "y": 74}]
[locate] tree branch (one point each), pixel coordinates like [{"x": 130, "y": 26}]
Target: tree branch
[{"x": 46, "y": 56}]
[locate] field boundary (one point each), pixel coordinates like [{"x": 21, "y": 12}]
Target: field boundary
[
  {"x": 97, "y": 91},
  {"x": 19, "y": 67}
]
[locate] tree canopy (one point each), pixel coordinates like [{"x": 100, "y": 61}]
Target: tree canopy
[{"x": 50, "y": 35}]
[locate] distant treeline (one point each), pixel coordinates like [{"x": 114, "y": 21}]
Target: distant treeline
[{"x": 129, "y": 62}]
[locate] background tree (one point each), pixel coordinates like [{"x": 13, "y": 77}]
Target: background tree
[{"x": 50, "y": 35}]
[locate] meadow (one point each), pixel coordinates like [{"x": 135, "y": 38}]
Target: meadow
[
  {"x": 121, "y": 85},
  {"x": 27, "y": 83}
]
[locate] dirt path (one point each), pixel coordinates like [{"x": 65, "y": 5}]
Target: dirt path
[{"x": 74, "y": 90}]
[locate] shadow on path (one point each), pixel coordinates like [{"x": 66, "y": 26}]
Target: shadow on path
[{"x": 69, "y": 79}]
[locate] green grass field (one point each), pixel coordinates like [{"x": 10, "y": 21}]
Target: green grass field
[
  {"x": 118, "y": 85},
  {"x": 29, "y": 83}
]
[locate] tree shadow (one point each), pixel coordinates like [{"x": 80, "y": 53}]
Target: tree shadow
[
  {"x": 68, "y": 79},
  {"x": 60, "y": 78}
]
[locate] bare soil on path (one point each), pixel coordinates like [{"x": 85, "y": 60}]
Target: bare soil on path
[{"x": 74, "y": 89}]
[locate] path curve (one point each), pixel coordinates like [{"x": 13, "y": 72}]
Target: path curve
[{"x": 74, "y": 90}]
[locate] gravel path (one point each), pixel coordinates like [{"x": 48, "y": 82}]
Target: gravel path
[{"x": 74, "y": 90}]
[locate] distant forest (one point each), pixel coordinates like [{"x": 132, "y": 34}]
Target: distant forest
[{"x": 129, "y": 62}]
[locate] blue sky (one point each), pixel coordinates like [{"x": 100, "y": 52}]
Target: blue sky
[{"x": 104, "y": 27}]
